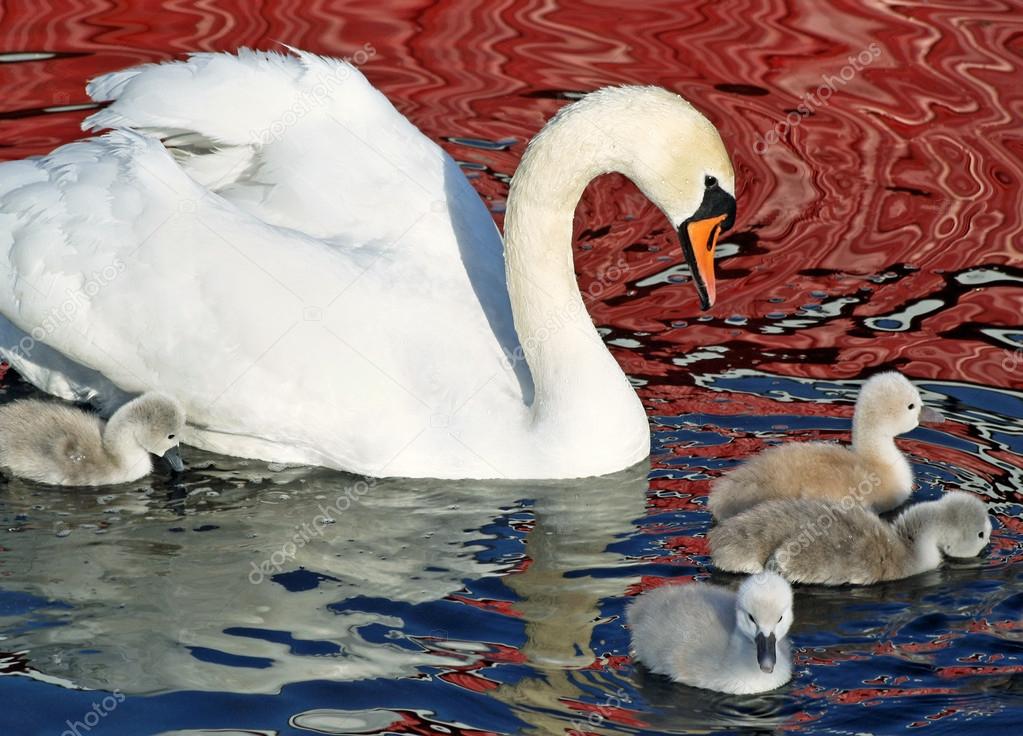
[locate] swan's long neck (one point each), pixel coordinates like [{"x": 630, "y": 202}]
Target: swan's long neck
[
  {"x": 578, "y": 385},
  {"x": 920, "y": 526},
  {"x": 119, "y": 438},
  {"x": 738, "y": 645},
  {"x": 870, "y": 440},
  {"x": 739, "y": 662}
]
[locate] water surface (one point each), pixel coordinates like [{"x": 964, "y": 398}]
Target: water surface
[{"x": 877, "y": 228}]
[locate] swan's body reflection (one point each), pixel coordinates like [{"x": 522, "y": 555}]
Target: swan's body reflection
[
  {"x": 156, "y": 589},
  {"x": 153, "y": 589}
]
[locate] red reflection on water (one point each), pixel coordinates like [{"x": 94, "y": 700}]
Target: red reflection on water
[
  {"x": 914, "y": 160},
  {"x": 869, "y": 208}
]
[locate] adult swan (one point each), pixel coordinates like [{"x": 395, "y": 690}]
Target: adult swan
[{"x": 266, "y": 238}]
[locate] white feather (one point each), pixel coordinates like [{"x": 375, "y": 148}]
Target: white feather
[{"x": 266, "y": 238}]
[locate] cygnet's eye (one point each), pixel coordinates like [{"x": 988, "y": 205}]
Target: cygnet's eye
[
  {"x": 912, "y": 407},
  {"x": 710, "y": 181},
  {"x": 781, "y": 617},
  {"x": 752, "y": 620},
  {"x": 980, "y": 535},
  {"x": 170, "y": 436}
]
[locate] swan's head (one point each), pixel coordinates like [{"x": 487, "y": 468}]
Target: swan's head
[
  {"x": 157, "y": 422},
  {"x": 677, "y": 158},
  {"x": 763, "y": 610},
  {"x": 964, "y": 525},
  {"x": 666, "y": 147},
  {"x": 890, "y": 405}
]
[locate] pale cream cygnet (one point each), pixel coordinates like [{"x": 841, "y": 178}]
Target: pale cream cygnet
[
  {"x": 872, "y": 472},
  {"x": 50, "y": 442}
]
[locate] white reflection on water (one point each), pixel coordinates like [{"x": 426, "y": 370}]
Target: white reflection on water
[{"x": 139, "y": 591}]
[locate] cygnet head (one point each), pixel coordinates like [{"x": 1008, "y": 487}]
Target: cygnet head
[
  {"x": 666, "y": 147},
  {"x": 157, "y": 421},
  {"x": 890, "y": 405},
  {"x": 763, "y": 612},
  {"x": 965, "y": 525}
]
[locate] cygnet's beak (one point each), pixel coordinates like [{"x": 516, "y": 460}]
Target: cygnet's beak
[
  {"x": 767, "y": 652},
  {"x": 699, "y": 237},
  {"x": 930, "y": 416},
  {"x": 173, "y": 458}
]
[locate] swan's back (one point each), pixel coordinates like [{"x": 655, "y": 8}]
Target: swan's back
[
  {"x": 51, "y": 443},
  {"x": 819, "y": 471},
  {"x": 811, "y": 542},
  {"x": 682, "y": 630}
]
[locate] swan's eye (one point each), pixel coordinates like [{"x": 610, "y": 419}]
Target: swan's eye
[
  {"x": 750, "y": 615},
  {"x": 980, "y": 535},
  {"x": 710, "y": 181},
  {"x": 781, "y": 617},
  {"x": 912, "y": 407},
  {"x": 170, "y": 436}
]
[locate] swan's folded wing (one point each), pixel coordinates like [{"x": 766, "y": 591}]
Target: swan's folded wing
[
  {"x": 300, "y": 141},
  {"x": 228, "y": 98},
  {"x": 108, "y": 248}
]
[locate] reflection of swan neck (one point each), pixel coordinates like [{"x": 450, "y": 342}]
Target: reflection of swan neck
[{"x": 572, "y": 370}]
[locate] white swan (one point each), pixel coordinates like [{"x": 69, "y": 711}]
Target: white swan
[
  {"x": 317, "y": 281},
  {"x": 707, "y": 636},
  {"x": 53, "y": 443}
]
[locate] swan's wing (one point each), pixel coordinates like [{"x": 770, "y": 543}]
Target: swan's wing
[
  {"x": 351, "y": 250},
  {"x": 307, "y": 143},
  {"x": 298, "y": 140},
  {"x": 229, "y": 98},
  {"x": 108, "y": 246},
  {"x": 127, "y": 275}
]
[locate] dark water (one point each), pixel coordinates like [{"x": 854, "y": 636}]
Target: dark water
[{"x": 880, "y": 229}]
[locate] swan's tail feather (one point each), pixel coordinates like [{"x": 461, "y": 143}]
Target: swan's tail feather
[
  {"x": 108, "y": 87},
  {"x": 279, "y": 134},
  {"x": 243, "y": 99}
]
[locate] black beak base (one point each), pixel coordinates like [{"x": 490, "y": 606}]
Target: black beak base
[
  {"x": 716, "y": 202},
  {"x": 173, "y": 458},
  {"x": 767, "y": 652}
]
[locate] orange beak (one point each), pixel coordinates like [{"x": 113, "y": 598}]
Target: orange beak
[
  {"x": 703, "y": 239},
  {"x": 699, "y": 236}
]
